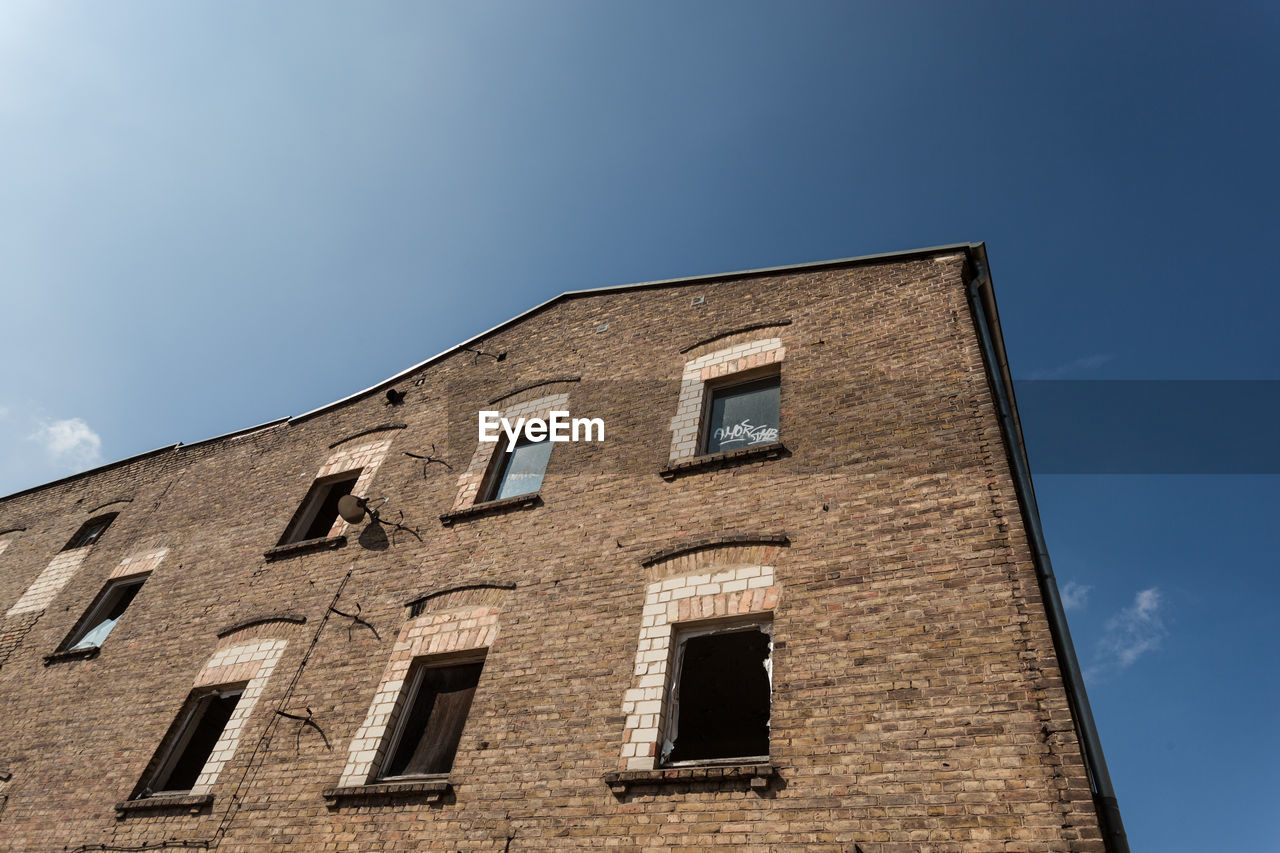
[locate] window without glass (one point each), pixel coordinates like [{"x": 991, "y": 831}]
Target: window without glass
[
  {"x": 190, "y": 742},
  {"x": 741, "y": 415},
  {"x": 102, "y": 615},
  {"x": 91, "y": 531},
  {"x": 430, "y": 724},
  {"x": 319, "y": 509},
  {"x": 718, "y": 701},
  {"x": 519, "y": 471}
]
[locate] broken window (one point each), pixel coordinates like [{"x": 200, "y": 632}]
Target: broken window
[
  {"x": 190, "y": 742},
  {"x": 91, "y": 531},
  {"x": 718, "y": 700},
  {"x": 102, "y": 615},
  {"x": 519, "y": 471},
  {"x": 430, "y": 725},
  {"x": 742, "y": 414},
  {"x": 319, "y": 509}
]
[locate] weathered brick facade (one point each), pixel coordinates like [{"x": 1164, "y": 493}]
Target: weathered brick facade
[{"x": 917, "y": 701}]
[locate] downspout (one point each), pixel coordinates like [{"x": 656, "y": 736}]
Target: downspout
[{"x": 982, "y": 304}]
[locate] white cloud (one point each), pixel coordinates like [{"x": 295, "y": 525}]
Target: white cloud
[
  {"x": 1075, "y": 595},
  {"x": 1089, "y": 362},
  {"x": 1131, "y": 633},
  {"x": 70, "y": 443}
]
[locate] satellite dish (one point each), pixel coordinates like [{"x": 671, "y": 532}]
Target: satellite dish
[{"x": 351, "y": 508}]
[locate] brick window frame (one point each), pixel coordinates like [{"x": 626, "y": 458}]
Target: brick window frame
[
  {"x": 364, "y": 458},
  {"x": 237, "y": 661},
  {"x": 58, "y": 573},
  {"x": 475, "y": 483},
  {"x": 441, "y": 637},
  {"x": 49, "y": 582},
  {"x": 135, "y": 567},
  {"x": 741, "y": 595},
  {"x": 745, "y": 361}
]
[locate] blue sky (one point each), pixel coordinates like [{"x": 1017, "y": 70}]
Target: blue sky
[{"x": 218, "y": 214}]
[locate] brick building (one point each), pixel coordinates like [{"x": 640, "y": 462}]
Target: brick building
[{"x": 795, "y": 599}]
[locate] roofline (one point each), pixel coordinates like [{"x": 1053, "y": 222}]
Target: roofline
[
  {"x": 904, "y": 254},
  {"x": 645, "y": 285}
]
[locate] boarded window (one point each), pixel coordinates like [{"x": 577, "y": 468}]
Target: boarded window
[
  {"x": 430, "y": 726},
  {"x": 102, "y": 615},
  {"x": 191, "y": 740},
  {"x": 91, "y": 531},
  {"x": 319, "y": 509},
  {"x": 718, "y": 706},
  {"x": 742, "y": 415},
  {"x": 519, "y": 471}
]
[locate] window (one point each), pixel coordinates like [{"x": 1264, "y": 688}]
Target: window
[
  {"x": 91, "y": 531},
  {"x": 430, "y": 723},
  {"x": 102, "y": 615},
  {"x": 519, "y": 471},
  {"x": 319, "y": 509},
  {"x": 192, "y": 739},
  {"x": 718, "y": 703},
  {"x": 741, "y": 414}
]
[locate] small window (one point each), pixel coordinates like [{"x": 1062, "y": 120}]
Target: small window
[
  {"x": 741, "y": 415},
  {"x": 519, "y": 471},
  {"x": 319, "y": 509},
  {"x": 430, "y": 724},
  {"x": 718, "y": 705},
  {"x": 203, "y": 718},
  {"x": 102, "y": 615},
  {"x": 91, "y": 531}
]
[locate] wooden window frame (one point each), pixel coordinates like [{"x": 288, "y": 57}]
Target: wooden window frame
[
  {"x": 409, "y": 695},
  {"x": 711, "y": 388},
  {"x": 317, "y": 494},
  {"x": 100, "y": 605},
  {"x": 179, "y": 738}
]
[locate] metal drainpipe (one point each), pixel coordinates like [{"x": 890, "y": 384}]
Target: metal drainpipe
[{"x": 1104, "y": 797}]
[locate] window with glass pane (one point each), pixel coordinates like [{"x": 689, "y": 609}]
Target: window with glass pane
[
  {"x": 742, "y": 415},
  {"x": 91, "y": 531},
  {"x": 103, "y": 615},
  {"x": 430, "y": 725},
  {"x": 520, "y": 471}
]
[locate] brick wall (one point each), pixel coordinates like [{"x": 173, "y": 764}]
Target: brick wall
[{"x": 916, "y": 699}]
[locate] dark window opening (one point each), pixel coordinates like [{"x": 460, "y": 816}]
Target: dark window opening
[
  {"x": 435, "y": 711},
  {"x": 519, "y": 471},
  {"x": 101, "y": 617},
  {"x": 91, "y": 531},
  {"x": 720, "y": 705},
  {"x": 202, "y": 721},
  {"x": 742, "y": 415},
  {"x": 319, "y": 509}
]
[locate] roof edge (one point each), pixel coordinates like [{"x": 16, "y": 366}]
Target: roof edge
[
  {"x": 518, "y": 318},
  {"x": 645, "y": 285}
]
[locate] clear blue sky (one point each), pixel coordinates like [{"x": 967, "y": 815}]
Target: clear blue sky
[{"x": 218, "y": 214}]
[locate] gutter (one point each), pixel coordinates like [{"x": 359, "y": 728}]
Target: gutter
[{"x": 987, "y": 321}]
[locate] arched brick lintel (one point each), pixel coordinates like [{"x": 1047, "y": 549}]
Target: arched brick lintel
[
  {"x": 289, "y": 617},
  {"x": 109, "y": 503},
  {"x": 369, "y": 431},
  {"x": 459, "y": 595},
  {"x": 773, "y": 324},
  {"x": 710, "y": 542}
]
